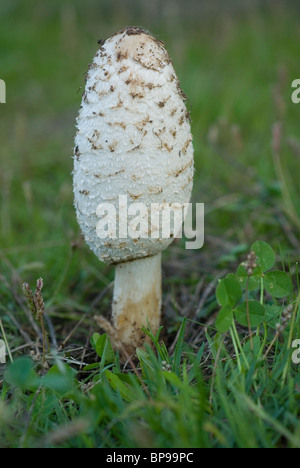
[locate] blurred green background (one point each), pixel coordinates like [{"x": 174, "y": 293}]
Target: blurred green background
[{"x": 236, "y": 61}]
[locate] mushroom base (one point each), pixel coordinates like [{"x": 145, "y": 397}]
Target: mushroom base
[{"x": 137, "y": 300}]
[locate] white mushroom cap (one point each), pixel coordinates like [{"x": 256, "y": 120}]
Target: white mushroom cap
[{"x": 133, "y": 138}]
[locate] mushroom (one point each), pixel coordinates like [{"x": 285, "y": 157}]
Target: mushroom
[{"x": 134, "y": 145}]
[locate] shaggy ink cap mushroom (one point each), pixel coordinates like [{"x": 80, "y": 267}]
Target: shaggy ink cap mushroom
[{"x": 133, "y": 139}]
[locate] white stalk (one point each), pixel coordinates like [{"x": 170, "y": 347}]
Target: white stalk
[{"x": 137, "y": 299}]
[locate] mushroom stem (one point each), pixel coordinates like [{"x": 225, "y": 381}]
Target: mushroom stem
[{"x": 137, "y": 299}]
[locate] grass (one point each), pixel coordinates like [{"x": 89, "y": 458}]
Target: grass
[{"x": 199, "y": 386}]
